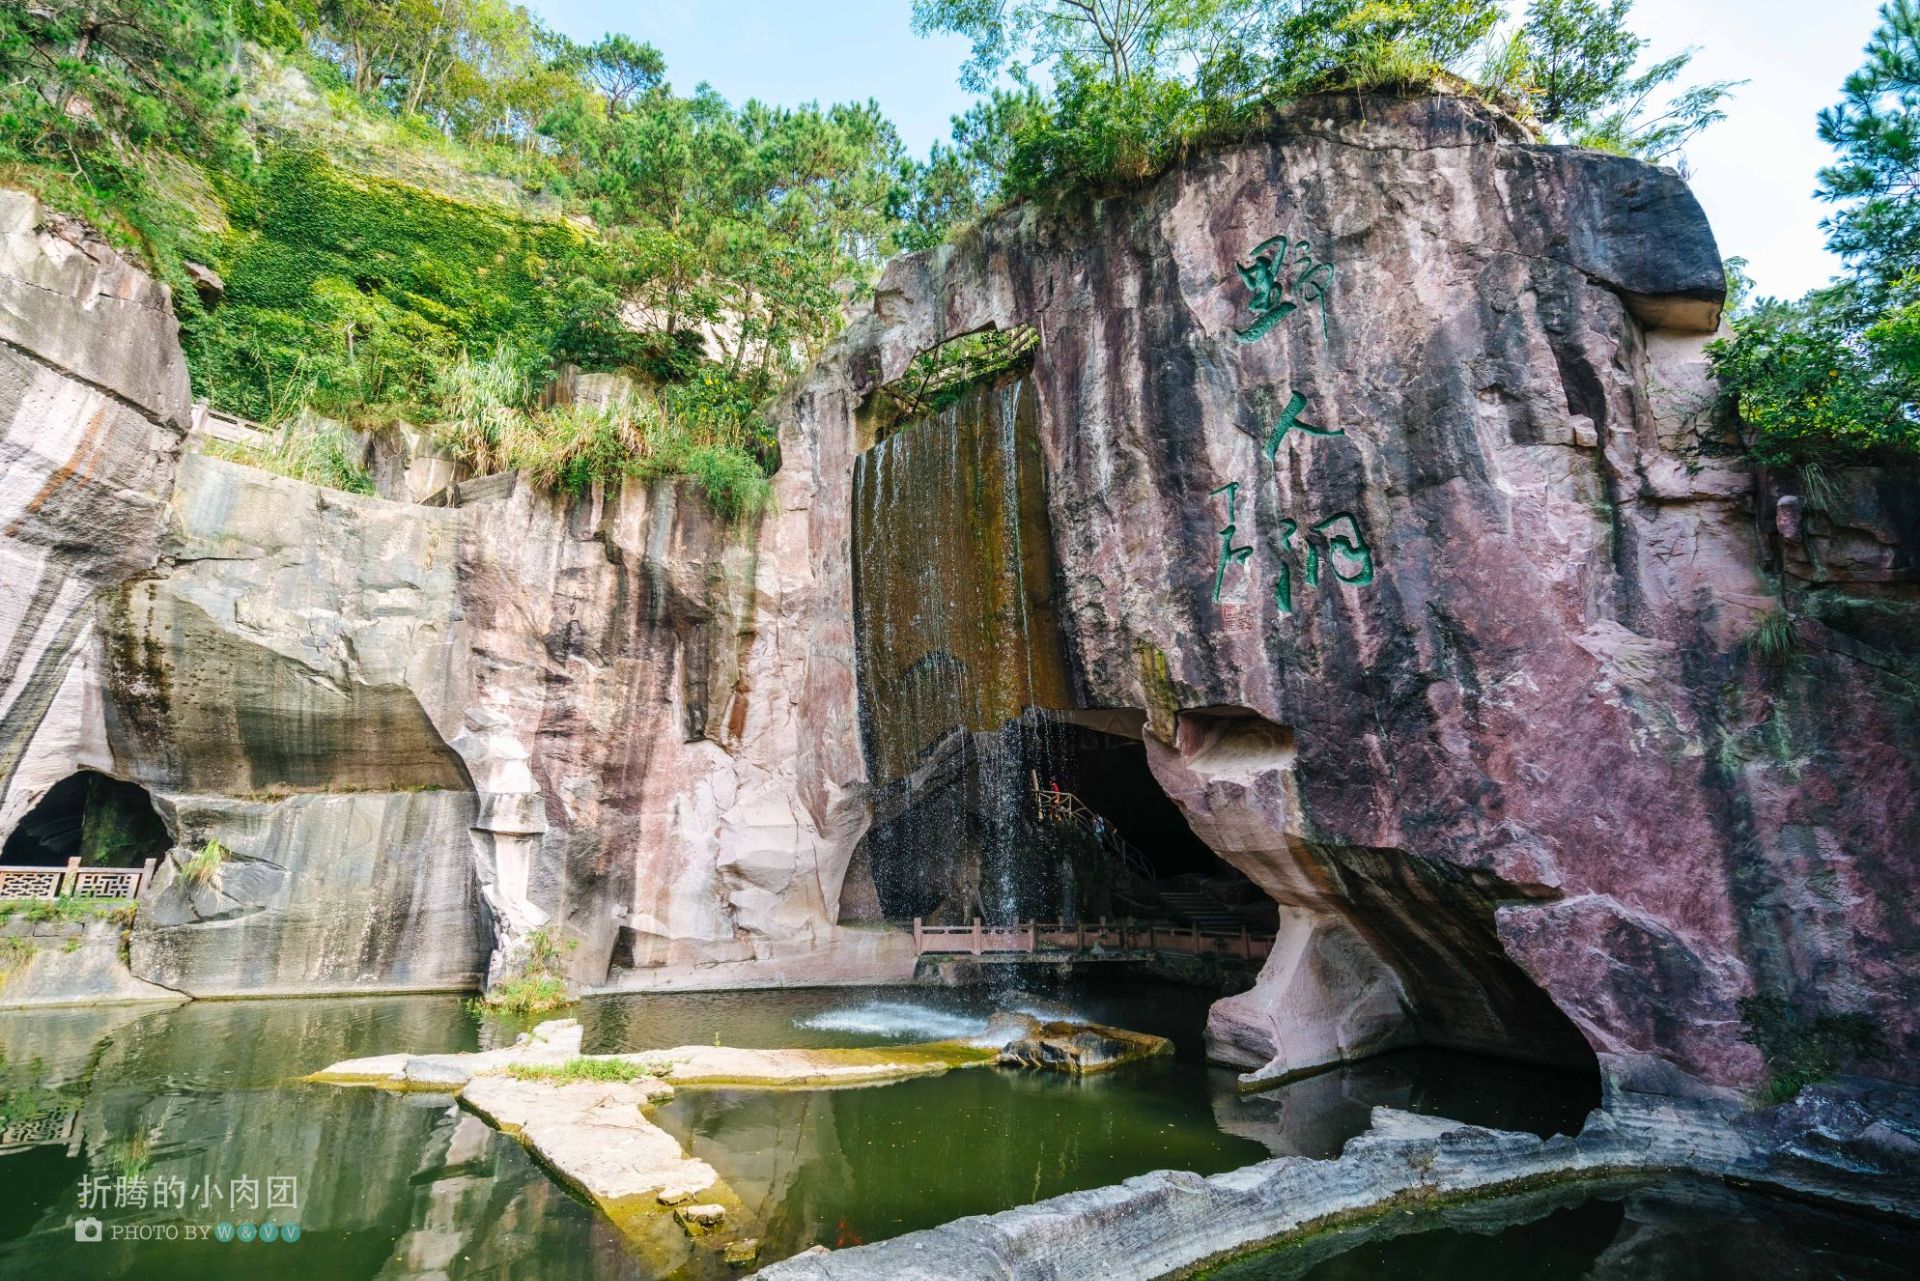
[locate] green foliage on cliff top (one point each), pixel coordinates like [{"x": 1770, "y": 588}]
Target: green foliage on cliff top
[
  {"x": 1835, "y": 376},
  {"x": 381, "y": 188},
  {"x": 1133, "y": 82},
  {"x": 350, "y": 294}
]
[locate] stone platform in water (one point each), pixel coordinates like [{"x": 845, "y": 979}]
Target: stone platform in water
[{"x": 585, "y": 1116}]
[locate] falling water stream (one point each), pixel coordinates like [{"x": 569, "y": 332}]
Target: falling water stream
[{"x": 960, "y": 656}]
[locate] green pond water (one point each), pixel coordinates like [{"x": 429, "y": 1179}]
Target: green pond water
[
  {"x": 197, "y": 1098},
  {"x": 1676, "y": 1230}
]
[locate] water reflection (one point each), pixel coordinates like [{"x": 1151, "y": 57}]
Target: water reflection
[
  {"x": 197, "y": 1097},
  {"x": 1681, "y": 1230},
  {"x": 841, "y": 1166}
]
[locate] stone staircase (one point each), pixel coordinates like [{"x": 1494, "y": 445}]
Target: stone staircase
[{"x": 1198, "y": 907}]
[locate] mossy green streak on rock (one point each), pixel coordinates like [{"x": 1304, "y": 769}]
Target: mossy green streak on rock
[
  {"x": 956, "y": 613},
  {"x": 357, "y": 290}
]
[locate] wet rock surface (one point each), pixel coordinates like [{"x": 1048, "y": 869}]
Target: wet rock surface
[{"x": 1080, "y": 1048}]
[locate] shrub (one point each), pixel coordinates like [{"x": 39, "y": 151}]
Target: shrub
[
  {"x": 316, "y": 450},
  {"x": 539, "y": 983},
  {"x": 527, "y": 995},
  {"x": 1828, "y": 378},
  {"x": 700, "y": 433}
]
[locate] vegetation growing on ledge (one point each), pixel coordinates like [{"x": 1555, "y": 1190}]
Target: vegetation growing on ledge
[
  {"x": 68, "y": 909},
  {"x": 308, "y": 448},
  {"x": 1835, "y": 376},
  {"x": 539, "y": 985},
  {"x": 582, "y": 1068},
  {"x": 492, "y": 420},
  {"x": 1800, "y": 1050},
  {"x": 939, "y": 378}
]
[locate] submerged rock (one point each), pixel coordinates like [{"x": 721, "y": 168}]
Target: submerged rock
[{"x": 1081, "y": 1048}]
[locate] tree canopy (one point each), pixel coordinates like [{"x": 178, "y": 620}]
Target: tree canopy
[
  {"x": 1836, "y": 375},
  {"x": 1129, "y": 82}
]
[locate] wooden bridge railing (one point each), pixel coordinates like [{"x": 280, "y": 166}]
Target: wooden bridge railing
[
  {"x": 979, "y": 939},
  {"x": 75, "y": 881}
]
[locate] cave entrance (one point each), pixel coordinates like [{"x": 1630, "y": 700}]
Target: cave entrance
[
  {"x": 1045, "y": 819},
  {"x": 102, "y": 821},
  {"x": 1143, "y": 860}
]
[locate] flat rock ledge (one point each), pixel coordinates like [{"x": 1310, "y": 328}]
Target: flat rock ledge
[
  {"x": 554, "y": 1044},
  {"x": 594, "y": 1134},
  {"x": 1828, "y": 1144}
]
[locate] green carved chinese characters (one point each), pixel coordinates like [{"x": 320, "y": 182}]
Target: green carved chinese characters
[
  {"x": 1347, "y": 554},
  {"x": 1290, "y": 420},
  {"x": 1229, "y": 554},
  {"x": 1346, "y": 546},
  {"x": 1283, "y": 277}
]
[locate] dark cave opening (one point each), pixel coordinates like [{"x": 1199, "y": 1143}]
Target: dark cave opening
[
  {"x": 102, "y": 821},
  {"x": 1044, "y": 820}
]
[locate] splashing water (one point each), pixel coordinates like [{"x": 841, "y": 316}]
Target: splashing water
[{"x": 901, "y": 1019}]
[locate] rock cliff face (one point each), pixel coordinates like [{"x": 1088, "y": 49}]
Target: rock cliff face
[
  {"x": 1382, "y": 478},
  {"x": 417, "y": 733},
  {"x": 575, "y": 711},
  {"x": 93, "y": 405}
]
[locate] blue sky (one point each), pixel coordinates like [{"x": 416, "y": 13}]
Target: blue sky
[{"x": 1754, "y": 173}]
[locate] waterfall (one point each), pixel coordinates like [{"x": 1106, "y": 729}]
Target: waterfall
[{"x": 960, "y": 656}]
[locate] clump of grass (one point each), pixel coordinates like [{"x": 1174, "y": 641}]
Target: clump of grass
[
  {"x": 316, "y": 450},
  {"x": 1775, "y": 639},
  {"x": 199, "y": 869},
  {"x": 586, "y": 1069},
  {"x": 569, "y": 447},
  {"x": 540, "y": 983},
  {"x": 1823, "y": 489}
]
